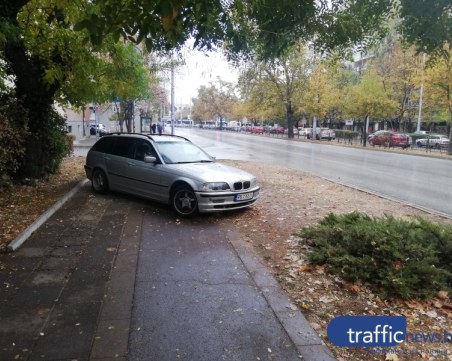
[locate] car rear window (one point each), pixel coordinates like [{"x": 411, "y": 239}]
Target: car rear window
[{"x": 103, "y": 145}]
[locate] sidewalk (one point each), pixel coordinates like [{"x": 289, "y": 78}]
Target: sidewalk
[
  {"x": 86, "y": 141},
  {"x": 113, "y": 277}
]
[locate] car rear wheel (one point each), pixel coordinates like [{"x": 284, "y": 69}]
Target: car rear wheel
[
  {"x": 99, "y": 181},
  {"x": 184, "y": 201}
]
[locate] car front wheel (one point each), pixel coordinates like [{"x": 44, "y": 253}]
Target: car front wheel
[
  {"x": 99, "y": 181},
  {"x": 184, "y": 201}
]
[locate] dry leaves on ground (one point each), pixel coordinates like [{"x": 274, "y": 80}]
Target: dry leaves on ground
[
  {"x": 291, "y": 200},
  {"x": 21, "y": 205}
]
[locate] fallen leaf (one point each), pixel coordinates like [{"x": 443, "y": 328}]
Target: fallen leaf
[
  {"x": 391, "y": 357},
  {"x": 414, "y": 305},
  {"x": 354, "y": 287},
  {"x": 437, "y": 304},
  {"x": 307, "y": 268}
]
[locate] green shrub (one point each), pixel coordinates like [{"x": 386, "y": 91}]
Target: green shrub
[
  {"x": 346, "y": 134},
  {"x": 70, "y": 138},
  {"x": 13, "y": 130},
  {"x": 406, "y": 259}
]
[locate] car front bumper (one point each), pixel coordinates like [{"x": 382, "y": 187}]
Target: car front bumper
[{"x": 217, "y": 202}]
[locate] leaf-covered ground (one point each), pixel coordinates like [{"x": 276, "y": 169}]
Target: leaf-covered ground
[
  {"x": 289, "y": 200},
  {"x": 21, "y": 205}
]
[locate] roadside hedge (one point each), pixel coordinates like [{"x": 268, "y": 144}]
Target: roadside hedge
[
  {"x": 397, "y": 257},
  {"x": 346, "y": 134}
]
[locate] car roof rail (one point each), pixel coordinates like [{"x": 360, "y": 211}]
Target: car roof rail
[{"x": 149, "y": 136}]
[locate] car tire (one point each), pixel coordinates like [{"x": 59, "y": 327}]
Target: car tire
[
  {"x": 184, "y": 201},
  {"x": 99, "y": 181},
  {"x": 419, "y": 144}
]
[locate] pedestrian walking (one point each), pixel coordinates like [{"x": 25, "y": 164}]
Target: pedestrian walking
[
  {"x": 159, "y": 128},
  {"x": 154, "y": 128}
]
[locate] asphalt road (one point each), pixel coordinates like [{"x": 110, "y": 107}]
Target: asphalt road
[{"x": 424, "y": 182}]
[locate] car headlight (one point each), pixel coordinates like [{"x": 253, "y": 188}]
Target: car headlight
[
  {"x": 215, "y": 186},
  {"x": 253, "y": 182}
]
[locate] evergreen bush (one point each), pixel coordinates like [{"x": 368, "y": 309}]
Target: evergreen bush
[{"x": 401, "y": 258}]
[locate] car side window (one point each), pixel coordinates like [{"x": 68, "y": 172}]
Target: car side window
[
  {"x": 122, "y": 147},
  {"x": 140, "y": 149}
]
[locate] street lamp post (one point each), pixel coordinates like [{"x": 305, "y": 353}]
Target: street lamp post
[
  {"x": 421, "y": 92},
  {"x": 172, "y": 98}
]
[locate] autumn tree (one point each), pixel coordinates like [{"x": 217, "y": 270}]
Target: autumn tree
[
  {"x": 47, "y": 62},
  {"x": 266, "y": 27},
  {"x": 369, "y": 99},
  {"x": 438, "y": 91},
  {"x": 277, "y": 83},
  {"x": 322, "y": 95},
  {"x": 398, "y": 68},
  {"x": 217, "y": 101},
  {"x": 259, "y": 98}
]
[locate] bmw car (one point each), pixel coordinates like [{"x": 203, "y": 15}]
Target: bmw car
[{"x": 169, "y": 169}]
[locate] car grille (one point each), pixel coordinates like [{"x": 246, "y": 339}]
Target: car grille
[
  {"x": 235, "y": 205},
  {"x": 242, "y": 185}
]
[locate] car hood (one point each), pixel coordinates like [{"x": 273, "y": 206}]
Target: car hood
[{"x": 211, "y": 172}]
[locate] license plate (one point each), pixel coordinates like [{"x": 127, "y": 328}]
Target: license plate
[{"x": 243, "y": 196}]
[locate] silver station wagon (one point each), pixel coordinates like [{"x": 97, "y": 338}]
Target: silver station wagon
[{"x": 168, "y": 169}]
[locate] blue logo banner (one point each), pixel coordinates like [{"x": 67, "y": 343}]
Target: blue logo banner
[{"x": 367, "y": 331}]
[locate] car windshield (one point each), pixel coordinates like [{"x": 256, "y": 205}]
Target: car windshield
[{"x": 181, "y": 152}]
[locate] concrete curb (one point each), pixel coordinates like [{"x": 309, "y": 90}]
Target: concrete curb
[
  {"x": 306, "y": 340},
  {"x": 22, "y": 237}
]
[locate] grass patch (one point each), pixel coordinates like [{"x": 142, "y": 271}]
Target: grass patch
[{"x": 399, "y": 258}]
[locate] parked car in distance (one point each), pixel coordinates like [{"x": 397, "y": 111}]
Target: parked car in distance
[
  {"x": 100, "y": 129},
  {"x": 304, "y": 131},
  {"x": 433, "y": 141},
  {"x": 168, "y": 169},
  {"x": 378, "y": 133},
  {"x": 295, "y": 131},
  {"x": 277, "y": 130},
  {"x": 257, "y": 130},
  {"x": 389, "y": 138},
  {"x": 322, "y": 133}
]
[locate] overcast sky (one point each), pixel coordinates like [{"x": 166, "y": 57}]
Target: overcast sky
[{"x": 199, "y": 69}]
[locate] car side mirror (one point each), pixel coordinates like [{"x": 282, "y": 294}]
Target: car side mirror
[{"x": 149, "y": 159}]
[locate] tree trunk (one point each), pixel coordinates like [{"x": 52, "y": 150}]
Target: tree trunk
[
  {"x": 289, "y": 117},
  {"x": 128, "y": 116},
  {"x": 366, "y": 127},
  {"x": 33, "y": 93}
]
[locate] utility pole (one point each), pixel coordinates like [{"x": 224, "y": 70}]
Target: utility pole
[
  {"x": 421, "y": 92},
  {"x": 172, "y": 97}
]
